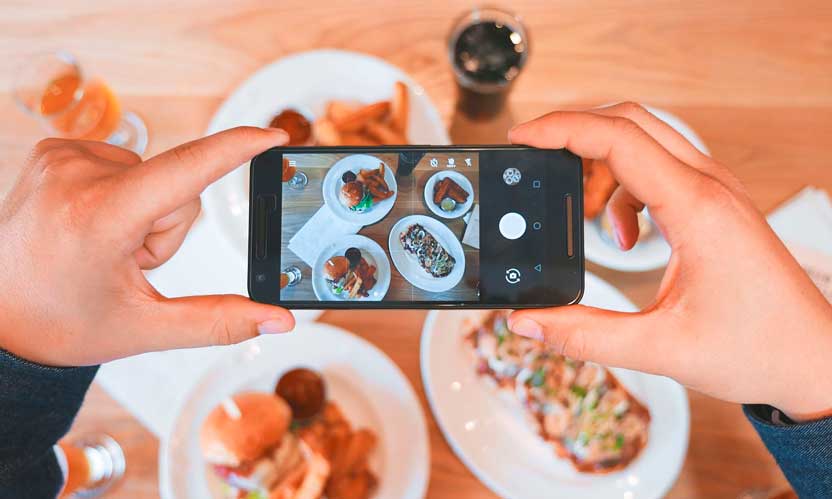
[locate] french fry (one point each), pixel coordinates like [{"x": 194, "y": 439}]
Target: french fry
[
  {"x": 326, "y": 134},
  {"x": 399, "y": 108},
  {"x": 354, "y": 454},
  {"x": 358, "y": 119},
  {"x": 357, "y": 139},
  {"x": 384, "y": 134},
  {"x": 338, "y": 109}
]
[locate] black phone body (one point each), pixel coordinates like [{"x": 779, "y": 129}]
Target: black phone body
[{"x": 511, "y": 235}]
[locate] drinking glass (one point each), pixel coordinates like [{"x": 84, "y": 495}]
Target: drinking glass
[
  {"x": 53, "y": 88},
  {"x": 487, "y": 48},
  {"x": 290, "y": 276},
  {"x": 92, "y": 464},
  {"x": 295, "y": 179}
]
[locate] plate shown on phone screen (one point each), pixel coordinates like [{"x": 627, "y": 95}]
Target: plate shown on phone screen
[
  {"x": 408, "y": 265},
  {"x": 332, "y": 188}
]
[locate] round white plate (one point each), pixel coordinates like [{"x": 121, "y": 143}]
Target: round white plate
[
  {"x": 463, "y": 182},
  {"x": 652, "y": 253},
  {"x": 366, "y": 384},
  {"x": 408, "y": 266},
  {"x": 370, "y": 250},
  {"x": 306, "y": 81},
  {"x": 332, "y": 187},
  {"x": 488, "y": 432}
]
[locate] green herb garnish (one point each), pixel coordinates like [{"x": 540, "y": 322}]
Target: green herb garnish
[
  {"x": 578, "y": 390},
  {"x": 365, "y": 204},
  {"x": 619, "y": 441}
]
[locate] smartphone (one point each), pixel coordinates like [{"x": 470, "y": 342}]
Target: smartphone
[{"x": 416, "y": 227}]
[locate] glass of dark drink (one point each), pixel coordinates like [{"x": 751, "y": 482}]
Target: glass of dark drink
[{"x": 488, "y": 48}]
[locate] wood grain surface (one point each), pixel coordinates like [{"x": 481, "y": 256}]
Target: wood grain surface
[{"x": 753, "y": 78}]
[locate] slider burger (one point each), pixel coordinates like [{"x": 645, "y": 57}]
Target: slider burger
[
  {"x": 253, "y": 452},
  {"x": 355, "y": 197},
  {"x": 335, "y": 272}
]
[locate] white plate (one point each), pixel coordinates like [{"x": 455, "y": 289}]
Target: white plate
[
  {"x": 306, "y": 81},
  {"x": 489, "y": 434},
  {"x": 332, "y": 187},
  {"x": 652, "y": 253},
  {"x": 409, "y": 267},
  {"x": 370, "y": 250},
  {"x": 463, "y": 182},
  {"x": 366, "y": 384}
]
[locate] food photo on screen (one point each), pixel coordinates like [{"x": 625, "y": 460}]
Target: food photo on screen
[{"x": 397, "y": 226}]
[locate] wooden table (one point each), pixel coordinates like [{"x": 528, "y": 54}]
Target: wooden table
[
  {"x": 754, "y": 78},
  {"x": 301, "y": 205}
]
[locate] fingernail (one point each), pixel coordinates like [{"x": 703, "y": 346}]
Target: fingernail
[
  {"x": 273, "y": 326},
  {"x": 528, "y": 328}
]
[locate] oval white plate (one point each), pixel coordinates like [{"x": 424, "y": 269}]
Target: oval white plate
[
  {"x": 370, "y": 250},
  {"x": 365, "y": 383},
  {"x": 490, "y": 435},
  {"x": 306, "y": 81},
  {"x": 409, "y": 267},
  {"x": 463, "y": 182},
  {"x": 652, "y": 253},
  {"x": 332, "y": 187}
]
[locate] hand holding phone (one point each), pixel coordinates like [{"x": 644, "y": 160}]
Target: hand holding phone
[{"x": 416, "y": 227}]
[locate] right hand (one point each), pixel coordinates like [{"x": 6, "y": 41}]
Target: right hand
[{"x": 735, "y": 316}]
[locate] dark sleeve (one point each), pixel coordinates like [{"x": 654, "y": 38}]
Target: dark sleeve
[
  {"x": 37, "y": 406},
  {"x": 803, "y": 450}
]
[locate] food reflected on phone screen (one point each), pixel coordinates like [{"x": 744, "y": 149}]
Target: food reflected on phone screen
[{"x": 382, "y": 226}]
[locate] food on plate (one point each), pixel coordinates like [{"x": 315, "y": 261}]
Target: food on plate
[
  {"x": 447, "y": 204},
  {"x": 599, "y": 185},
  {"x": 399, "y": 108},
  {"x": 447, "y": 189},
  {"x": 360, "y": 191},
  {"x": 350, "y": 275},
  {"x": 352, "y": 124},
  {"x": 578, "y": 407},
  {"x": 304, "y": 391},
  {"x": 645, "y": 228},
  {"x": 259, "y": 451},
  {"x": 355, "y": 197},
  {"x": 295, "y": 124},
  {"x": 360, "y": 117},
  {"x": 384, "y": 134},
  {"x": 421, "y": 244}
]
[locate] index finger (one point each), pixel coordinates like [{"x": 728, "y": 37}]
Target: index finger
[
  {"x": 636, "y": 159},
  {"x": 175, "y": 177}
]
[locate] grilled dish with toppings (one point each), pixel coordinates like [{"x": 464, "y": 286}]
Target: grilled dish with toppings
[
  {"x": 421, "y": 244},
  {"x": 578, "y": 407}
]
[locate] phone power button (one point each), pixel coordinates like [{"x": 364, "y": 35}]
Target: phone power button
[{"x": 512, "y": 225}]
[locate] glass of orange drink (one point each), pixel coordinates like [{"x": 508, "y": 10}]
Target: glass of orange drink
[
  {"x": 91, "y": 464},
  {"x": 53, "y": 88}
]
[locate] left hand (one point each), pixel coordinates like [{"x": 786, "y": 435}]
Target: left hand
[{"x": 82, "y": 222}]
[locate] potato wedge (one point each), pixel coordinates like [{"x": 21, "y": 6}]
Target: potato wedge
[
  {"x": 400, "y": 109},
  {"x": 384, "y": 134},
  {"x": 339, "y": 109},
  {"x": 358, "y": 119},
  {"x": 326, "y": 134}
]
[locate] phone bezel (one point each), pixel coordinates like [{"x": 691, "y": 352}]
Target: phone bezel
[{"x": 256, "y": 164}]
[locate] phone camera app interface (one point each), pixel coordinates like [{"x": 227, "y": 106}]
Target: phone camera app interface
[{"x": 381, "y": 226}]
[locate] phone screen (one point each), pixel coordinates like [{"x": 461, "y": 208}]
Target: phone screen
[{"x": 426, "y": 227}]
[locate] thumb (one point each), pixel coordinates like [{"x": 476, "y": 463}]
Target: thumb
[
  {"x": 197, "y": 321},
  {"x": 587, "y": 333}
]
